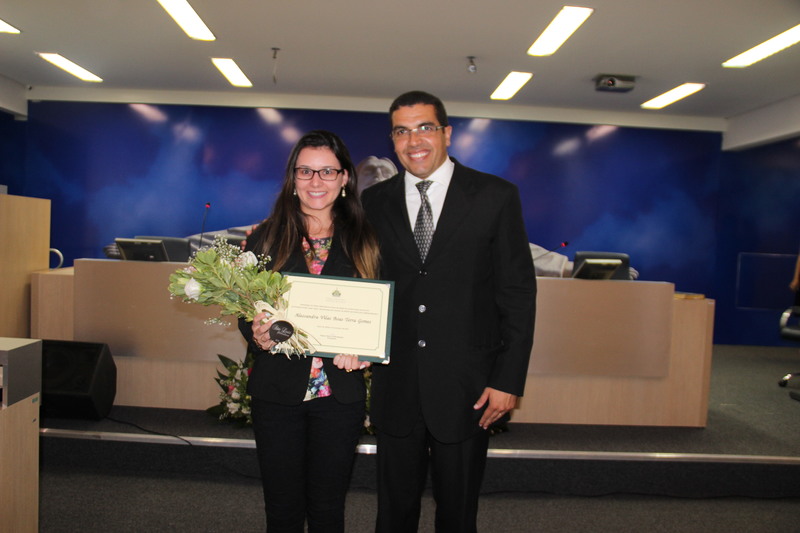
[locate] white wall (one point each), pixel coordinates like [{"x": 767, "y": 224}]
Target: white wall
[
  {"x": 762, "y": 126},
  {"x": 12, "y": 97}
]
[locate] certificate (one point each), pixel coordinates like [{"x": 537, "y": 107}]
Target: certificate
[{"x": 342, "y": 315}]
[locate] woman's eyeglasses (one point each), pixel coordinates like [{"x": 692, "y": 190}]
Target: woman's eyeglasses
[{"x": 326, "y": 174}]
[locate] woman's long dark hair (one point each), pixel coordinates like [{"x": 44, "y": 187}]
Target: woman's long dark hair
[{"x": 283, "y": 232}]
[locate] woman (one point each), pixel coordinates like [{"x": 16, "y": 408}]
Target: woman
[{"x": 308, "y": 413}]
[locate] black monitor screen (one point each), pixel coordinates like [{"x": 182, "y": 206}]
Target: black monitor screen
[
  {"x": 141, "y": 249},
  {"x": 177, "y": 248},
  {"x": 601, "y": 265}
]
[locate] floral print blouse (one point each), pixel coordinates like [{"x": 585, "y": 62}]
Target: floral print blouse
[{"x": 316, "y": 254}]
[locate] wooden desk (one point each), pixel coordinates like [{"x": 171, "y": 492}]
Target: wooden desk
[
  {"x": 579, "y": 374},
  {"x": 605, "y": 352}
]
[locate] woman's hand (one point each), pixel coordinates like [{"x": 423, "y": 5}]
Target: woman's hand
[
  {"x": 261, "y": 338},
  {"x": 349, "y": 362}
]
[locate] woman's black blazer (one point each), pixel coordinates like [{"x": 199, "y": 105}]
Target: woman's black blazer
[{"x": 277, "y": 379}]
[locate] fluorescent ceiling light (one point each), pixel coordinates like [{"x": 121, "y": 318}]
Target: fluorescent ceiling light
[
  {"x": 767, "y": 48},
  {"x": 672, "y": 96},
  {"x": 509, "y": 87},
  {"x": 5, "y": 27},
  {"x": 186, "y": 17},
  {"x": 566, "y": 22},
  {"x": 64, "y": 63},
  {"x": 231, "y": 71}
]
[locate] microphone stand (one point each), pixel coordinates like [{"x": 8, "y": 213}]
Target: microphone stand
[
  {"x": 562, "y": 245},
  {"x": 203, "y": 225}
]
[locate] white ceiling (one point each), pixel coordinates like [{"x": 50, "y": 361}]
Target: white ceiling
[{"x": 375, "y": 50}]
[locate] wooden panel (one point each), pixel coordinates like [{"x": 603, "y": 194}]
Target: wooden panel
[
  {"x": 687, "y": 394},
  {"x": 20, "y": 362},
  {"x": 680, "y": 398},
  {"x": 52, "y": 300},
  {"x": 126, "y": 305},
  {"x": 602, "y": 328},
  {"x": 19, "y": 466},
  {"x": 24, "y": 248},
  {"x": 146, "y": 382}
]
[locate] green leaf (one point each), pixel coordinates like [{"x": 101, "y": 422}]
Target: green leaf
[{"x": 226, "y": 361}]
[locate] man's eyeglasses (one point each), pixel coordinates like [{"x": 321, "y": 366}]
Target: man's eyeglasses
[
  {"x": 326, "y": 174},
  {"x": 425, "y": 130}
]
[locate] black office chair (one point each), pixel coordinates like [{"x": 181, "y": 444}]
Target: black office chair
[{"x": 790, "y": 330}]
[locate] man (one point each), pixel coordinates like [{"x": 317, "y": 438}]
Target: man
[{"x": 462, "y": 324}]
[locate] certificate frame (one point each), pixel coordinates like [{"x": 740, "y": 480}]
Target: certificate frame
[{"x": 342, "y": 315}]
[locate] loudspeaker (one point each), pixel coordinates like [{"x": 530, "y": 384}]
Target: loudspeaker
[{"x": 79, "y": 379}]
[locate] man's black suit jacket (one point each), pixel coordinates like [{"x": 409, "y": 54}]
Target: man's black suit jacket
[
  {"x": 280, "y": 380},
  {"x": 464, "y": 319}
]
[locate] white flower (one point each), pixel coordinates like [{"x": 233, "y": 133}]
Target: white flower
[
  {"x": 192, "y": 289},
  {"x": 235, "y": 394},
  {"x": 247, "y": 259}
]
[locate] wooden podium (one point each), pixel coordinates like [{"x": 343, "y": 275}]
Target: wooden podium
[{"x": 21, "y": 366}]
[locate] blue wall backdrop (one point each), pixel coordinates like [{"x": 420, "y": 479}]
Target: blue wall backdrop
[{"x": 723, "y": 224}]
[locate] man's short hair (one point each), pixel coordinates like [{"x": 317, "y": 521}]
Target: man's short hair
[{"x": 420, "y": 97}]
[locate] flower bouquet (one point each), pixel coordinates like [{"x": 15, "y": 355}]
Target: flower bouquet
[
  {"x": 237, "y": 282},
  {"x": 234, "y": 400}
]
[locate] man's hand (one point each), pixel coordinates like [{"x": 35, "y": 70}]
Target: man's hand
[{"x": 499, "y": 403}]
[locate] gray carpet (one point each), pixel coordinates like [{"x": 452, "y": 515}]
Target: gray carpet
[
  {"x": 83, "y": 502},
  {"x": 90, "y": 485}
]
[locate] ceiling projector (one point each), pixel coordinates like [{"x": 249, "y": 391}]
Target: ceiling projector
[{"x": 614, "y": 83}]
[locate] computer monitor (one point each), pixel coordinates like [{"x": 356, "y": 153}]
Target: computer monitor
[
  {"x": 141, "y": 249},
  {"x": 178, "y": 249},
  {"x": 601, "y": 265}
]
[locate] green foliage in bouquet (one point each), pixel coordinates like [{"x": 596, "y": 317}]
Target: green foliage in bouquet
[
  {"x": 235, "y": 281},
  {"x": 238, "y": 283},
  {"x": 234, "y": 401}
]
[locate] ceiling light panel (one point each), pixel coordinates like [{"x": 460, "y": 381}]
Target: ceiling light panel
[
  {"x": 673, "y": 95},
  {"x": 762, "y": 51},
  {"x": 511, "y": 85},
  {"x": 73, "y": 68},
  {"x": 231, "y": 71},
  {"x": 5, "y": 27},
  {"x": 568, "y": 20},
  {"x": 187, "y": 18}
]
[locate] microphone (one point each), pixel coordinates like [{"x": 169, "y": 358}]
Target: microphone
[
  {"x": 203, "y": 225},
  {"x": 561, "y": 245}
]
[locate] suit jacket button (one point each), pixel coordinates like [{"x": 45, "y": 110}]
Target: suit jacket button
[
  {"x": 422, "y": 308},
  {"x": 423, "y": 272},
  {"x": 421, "y": 343}
]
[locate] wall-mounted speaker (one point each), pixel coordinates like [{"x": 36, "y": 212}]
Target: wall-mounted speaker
[{"x": 79, "y": 379}]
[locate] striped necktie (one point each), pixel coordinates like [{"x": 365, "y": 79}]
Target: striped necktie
[{"x": 423, "y": 229}]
